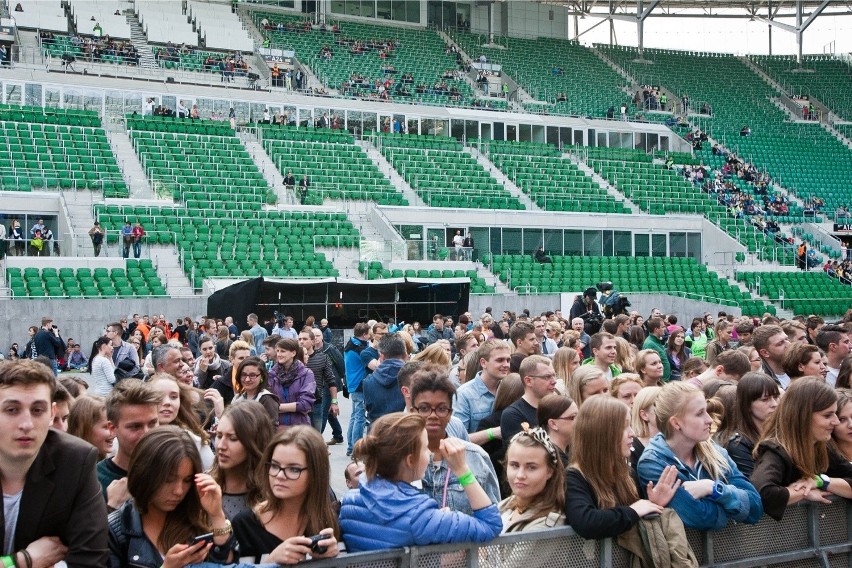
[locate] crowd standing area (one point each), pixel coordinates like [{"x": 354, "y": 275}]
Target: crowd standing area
[{"x": 202, "y": 441}]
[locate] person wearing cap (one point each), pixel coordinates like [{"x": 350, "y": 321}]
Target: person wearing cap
[
  {"x": 586, "y": 307},
  {"x": 97, "y": 236}
]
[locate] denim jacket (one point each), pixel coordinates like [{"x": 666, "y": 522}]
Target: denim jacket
[
  {"x": 473, "y": 402},
  {"x": 482, "y": 469},
  {"x": 739, "y": 500}
]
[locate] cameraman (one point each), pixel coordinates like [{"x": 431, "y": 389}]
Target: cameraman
[
  {"x": 48, "y": 342},
  {"x": 587, "y": 308}
]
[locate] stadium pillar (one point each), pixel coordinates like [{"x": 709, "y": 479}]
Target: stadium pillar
[{"x": 643, "y": 12}]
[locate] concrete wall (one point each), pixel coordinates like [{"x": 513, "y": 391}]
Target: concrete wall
[{"x": 84, "y": 320}]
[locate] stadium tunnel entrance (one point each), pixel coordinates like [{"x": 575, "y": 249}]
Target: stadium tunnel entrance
[{"x": 344, "y": 302}]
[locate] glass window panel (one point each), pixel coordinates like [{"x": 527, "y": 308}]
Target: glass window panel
[
  {"x": 353, "y": 123},
  {"x": 33, "y": 94},
  {"x": 622, "y": 243},
  {"x": 677, "y": 244},
  {"x": 532, "y": 240},
  {"x": 553, "y": 241},
  {"x": 573, "y": 242},
  {"x": 368, "y": 9},
  {"x": 693, "y": 246},
  {"x": 496, "y": 240},
  {"x": 606, "y": 241},
  {"x": 658, "y": 245},
  {"x": 642, "y": 244},
  {"x": 592, "y": 243},
  {"x": 338, "y": 7},
  {"x": 383, "y": 9},
  {"x": 512, "y": 242},
  {"x": 13, "y": 94},
  {"x": 52, "y": 98},
  {"x": 412, "y": 11}
]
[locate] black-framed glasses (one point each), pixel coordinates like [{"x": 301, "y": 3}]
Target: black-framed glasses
[
  {"x": 425, "y": 411},
  {"x": 251, "y": 375},
  {"x": 291, "y": 472}
]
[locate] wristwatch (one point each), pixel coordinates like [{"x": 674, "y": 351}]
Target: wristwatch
[
  {"x": 822, "y": 481},
  {"x": 718, "y": 490}
]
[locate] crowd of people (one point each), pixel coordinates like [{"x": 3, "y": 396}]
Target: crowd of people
[{"x": 196, "y": 441}]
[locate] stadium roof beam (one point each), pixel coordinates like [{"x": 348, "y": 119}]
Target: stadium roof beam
[{"x": 800, "y": 27}]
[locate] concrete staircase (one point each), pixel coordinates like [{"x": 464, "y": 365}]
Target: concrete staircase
[
  {"x": 497, "y": 174},
  {"x": 80, "y": 213},
  {"x": 267, "y": 168},
  {"x": 601, "y": 182},
  {"x": 389, "y": 172},
  {"x": 131, "y": 168},
  {"x": 168, "y": 266},
  {"x": 140, "y": 41}
]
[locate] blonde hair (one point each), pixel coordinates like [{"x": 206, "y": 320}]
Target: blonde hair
[
  {"x": 641, "y": 362},
  {"x": 671, "y": 403},
  {"x": 621, "y": 379},
  {"x": 623, "y": 359},
  {"x": 434, "y": 354},
  {"x": 564, "y": 357},
  {"x": 582, "y": 376},
  {"x": 643, "y": 401}
]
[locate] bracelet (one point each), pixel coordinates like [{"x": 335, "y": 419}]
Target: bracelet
[
  {"x": 334, "y": 401},
  {"x": 8, "y": 561},
  {"x": 467, "y": 479},
  {"x": 224, "y": 530},
  {"x": 27, "y": 558},
  {"x": 490, "y": 434}
]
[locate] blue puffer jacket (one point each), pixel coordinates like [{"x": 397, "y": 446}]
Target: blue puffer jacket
[
  {"x": 383, "y": 514},
  {"x": 739, "y": 501}
]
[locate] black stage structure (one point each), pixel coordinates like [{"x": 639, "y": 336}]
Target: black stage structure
[{"x": 344, "y": 302}]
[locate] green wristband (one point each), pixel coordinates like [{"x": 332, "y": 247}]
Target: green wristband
[
  {"x": 490, "y": 433},
  {"x": 8, "y": 561},
  {"x": 334, "y": 401},
  {"x": 467, "y": 479}
]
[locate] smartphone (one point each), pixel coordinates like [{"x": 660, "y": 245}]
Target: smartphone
[{"x": 203, "y": 538}]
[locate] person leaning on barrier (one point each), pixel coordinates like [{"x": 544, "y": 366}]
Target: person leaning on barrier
[
  {"x": 713, "y": 489},
  {"x": 793, "y": 459},
  {"x": 395, "y": 454}
]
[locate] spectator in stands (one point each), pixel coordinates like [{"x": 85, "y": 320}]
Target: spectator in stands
[
  {"x": 138, "y": 234},
  {"x": 395, "y": 454},
  {"x": 713, "y": 489},
  {"x": 304, "y": 186},
  {"x": 794, "y": 460},
  {"x": 96, "y": 233},
  {"x": 535, "y": 473},
  {"x": 602, "y": 499}
]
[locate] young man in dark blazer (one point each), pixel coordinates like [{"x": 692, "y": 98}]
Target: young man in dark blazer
[{"x": 47, "y": 477}]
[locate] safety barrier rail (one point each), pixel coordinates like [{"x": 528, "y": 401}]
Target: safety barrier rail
[{"x": 809, "y": 535}]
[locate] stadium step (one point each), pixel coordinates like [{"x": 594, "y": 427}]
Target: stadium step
[
  {"x": 166, "y": 261},
  {"x": 391, "y": 174},
  {"x": 134, "y": 175},
  {"x": 508, "y": 185},
  {"x": 140, "y": 42},
  {"x": 584, "y": 167},
  {"x": 267, "y": 167}
]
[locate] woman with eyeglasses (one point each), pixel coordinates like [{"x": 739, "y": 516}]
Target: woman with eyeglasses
[
  {"x": 432, "y": 398},
  {"x": 242, "y": 435},
  {"x": 396, "y": 454},
  {"x": 251, "y": 385},
  {"x": 557, "y": 413},
  {"x": 295, "y": 506}
]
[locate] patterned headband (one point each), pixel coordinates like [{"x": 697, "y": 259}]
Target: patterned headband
[{"x": 540, "y": 436}]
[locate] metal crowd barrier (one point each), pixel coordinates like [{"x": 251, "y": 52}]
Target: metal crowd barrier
[{"x": 810, "y": 535}]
